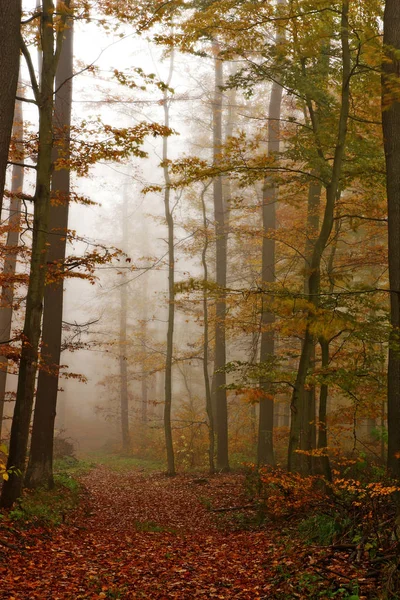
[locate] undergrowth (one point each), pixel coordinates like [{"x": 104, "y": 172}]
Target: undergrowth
[
  {"x": 50, "y": 508},
  {"x": 118, "y": 462},
  {"x": 352, "y": 519}
]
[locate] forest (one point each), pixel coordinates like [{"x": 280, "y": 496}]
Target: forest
[{"x": 200, "y": 299}]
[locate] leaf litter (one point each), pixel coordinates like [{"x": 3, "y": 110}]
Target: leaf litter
[{"x": 138, "y": 536}]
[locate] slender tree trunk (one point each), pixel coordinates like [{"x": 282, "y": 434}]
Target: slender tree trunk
[
  {"x": 323, "y": 460},
  {"x": 313, "y": 207},
  {"x": 34, "y": 301},
  {"x": 40, "y": 466},
  {"x": 391, "y": 135},
  {"x": 211, "y": 433},
  {"x": 171, "y": 288},
  {"x": 145, "y": 375},
  {"x": 10, "y": 263},
  {"x": 299, "y": 438},
  {"x": 145, "y": 381},
  {"x": 123, "y": 361},
  {"x": 221, "y": 260},
  {"x": 10, "y": 24},
  {"x": 321, "y": 464},
  {"x": 265, "y": 447}
]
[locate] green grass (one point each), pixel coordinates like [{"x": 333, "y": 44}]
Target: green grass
[
  {"x": 153, "y": 527},
  {"x": 72, "y": 467},
  {"x": 118, "y": 462},
  {"x": 322, "y": 529},
  {"x": 50, "y": 508},
  {"x": 47, "y": 507}
]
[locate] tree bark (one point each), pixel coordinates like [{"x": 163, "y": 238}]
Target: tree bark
[
  {"x": 40, "y": 466},
  {"x": 207, "y": 387},
  {"x": 313, "y": 207},
  {"x": 10, "y": 24},
  {"x": 123, "y": 360},
  {"x": 171, "y": 288},
  {"x": 391, "y": 135},
  {"x": 10, "y": 263},
  {"x": 323, "y": 460},
  {"x": 221, "y": 261},
  {"x": 298, "y": 459},
  {"x": 34, "y": 301},
  {"x": 265, "y": 445}
]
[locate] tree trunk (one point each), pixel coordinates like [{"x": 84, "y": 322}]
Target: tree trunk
[
  {"x": 265, "y": 446},
  {"x": 207, "y": 387},
  {"x": 299, "y": 439},
  {"x": 123, "y": 361},
  {"x": 171, "y": 289},
  {"x": 40, "y": 466},
  {"x": 10, "y": 263},
  {"x": 323, "y": 460},
  {"x": 391, "y": 134},
  {"x": 34, "y": 300},
  {"x": 220, "y": 234},
  {"x": 10, "y": 24},
  {"x": 313, "y": 206}
]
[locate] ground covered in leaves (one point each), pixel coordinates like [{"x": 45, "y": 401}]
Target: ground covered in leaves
[{"x": 142, "y": 535}]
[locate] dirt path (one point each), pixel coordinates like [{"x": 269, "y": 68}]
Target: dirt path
[{"x": 152, "y": 537}]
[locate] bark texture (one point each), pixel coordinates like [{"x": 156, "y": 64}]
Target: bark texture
[
  {"x": 265, "y": 446},
  {"x": 207, "y": 387},
  {"x": 299, "y": 439},
  {"x": 221, "y": 251},
  {"x": 40, "y": 467},
  {"x": 10, "y": 23},
  {"x": 391, "y": 134},
  {"x": 171, "y": 289},
  {"x": 10, "y": 263},
  {"x": 34, "y": 300},
  {"x": 123, "y": 361}
]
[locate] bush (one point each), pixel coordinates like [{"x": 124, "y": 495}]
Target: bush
[{"x": 63, "y": 447}]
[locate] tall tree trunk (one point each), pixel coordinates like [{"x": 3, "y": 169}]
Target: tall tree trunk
[
  {"x": 323, "y": 459},
  {"x": 313, "y": 207},
  {"x": 10, "y": 263},
  {"x": 299, "y": 438},
  {"x": 221, "y": 259},
  {"x": 171, "y": 287},
  {"x": 123, "y": 361},
  {"x": 321, "y": 464},
  {"x": 40, "y": 466},
  {"x": 146, "y": 378},
  {"x": 145, "y": 375},
  {"x": 10, "y": 24},
  {"x": 207, "y": 387},
  {"x": 391, "y": 134},
  {"x": 265, "y": 446},
  {"x": 34, "y": 300}
]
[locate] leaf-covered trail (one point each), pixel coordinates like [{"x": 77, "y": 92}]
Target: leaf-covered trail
[{"x": 148, "y": 536}]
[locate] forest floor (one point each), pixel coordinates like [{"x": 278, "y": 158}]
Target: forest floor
[{"x": 141, "y": 535}]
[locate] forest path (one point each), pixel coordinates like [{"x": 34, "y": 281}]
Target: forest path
[{"x": 146, "y": 536}]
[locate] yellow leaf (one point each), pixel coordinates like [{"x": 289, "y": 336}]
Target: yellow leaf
[{"x": 6, "y": 476}]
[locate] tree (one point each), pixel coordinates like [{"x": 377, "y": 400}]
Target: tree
[
  {"x": 123, "y": 318},
  {"x": 220, "y": 262},
  {"x": 265, "y": 449},
  {"x": 171, "y": 282},
  {"x": 51, "y": 35},
  {"x": 207, "y": 387},
  {"x": 391, "y": 134},
  {"x": 10, "y": 24},
  {"x": 10, "y": 263},
  {"x": 40, "y": 466},
  {"x": 300, "y": 424}
]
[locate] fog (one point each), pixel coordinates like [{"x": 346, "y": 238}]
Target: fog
[{"x": 88, "y": 412}]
